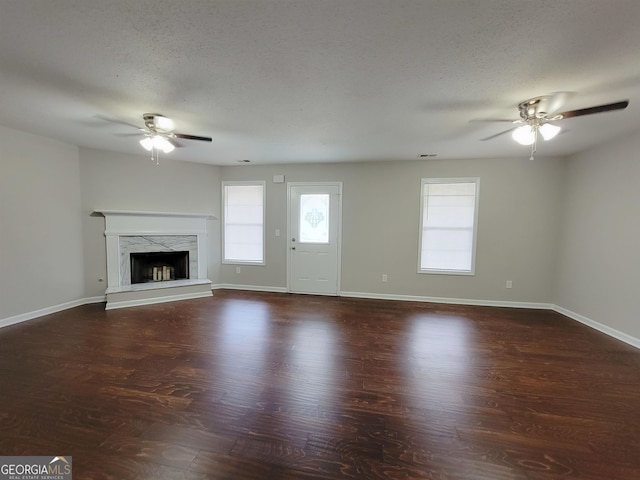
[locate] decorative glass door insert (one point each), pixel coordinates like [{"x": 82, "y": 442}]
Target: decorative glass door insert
[{"x": 314, "y": 218}]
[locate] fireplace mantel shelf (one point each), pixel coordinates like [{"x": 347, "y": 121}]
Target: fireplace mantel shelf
[{"x": 105, "y": 212}]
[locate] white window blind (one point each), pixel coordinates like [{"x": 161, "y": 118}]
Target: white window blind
[
  {"x": 448, "y": 225},
  {"x": 243, "y": 229}
]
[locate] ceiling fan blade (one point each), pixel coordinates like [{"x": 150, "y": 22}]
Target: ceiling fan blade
[
  {"x": 104, "y": 118},
  {"x": 129, "y": 134},
  {"x": 497, "y": 135},
  {"x": 556, "y": 101},
  {"x": 192, "y": 137},
  {"x": 588, "y": 111},
  {"x": 493, "y": 120},
  {"x": 174, "y": 142}
]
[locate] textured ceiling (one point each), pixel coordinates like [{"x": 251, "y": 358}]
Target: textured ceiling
[{"x": 282, "y": 81}]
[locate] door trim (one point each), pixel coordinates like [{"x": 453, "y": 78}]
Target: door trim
[{"x": 339, "y": 236}]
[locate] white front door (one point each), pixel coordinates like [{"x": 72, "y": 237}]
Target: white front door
[{"x": 314, "y": 237}]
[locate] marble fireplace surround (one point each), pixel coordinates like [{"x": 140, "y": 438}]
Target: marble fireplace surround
[
  {"x": 156, "y": 243},
  {"x": 129, "y": 232}
]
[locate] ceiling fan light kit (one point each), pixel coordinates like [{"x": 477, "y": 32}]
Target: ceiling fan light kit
[
  {"x": 157, "y": 142},
  {"x": 549, "y": 131},
  {"x": 526, "y": 134}
]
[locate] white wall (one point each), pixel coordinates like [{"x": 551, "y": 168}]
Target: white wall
[
  {"x": 599, "y": 248},
  {"x": 117, "y": 181},
  {"x": 519, "y": 225},
  {"x": 40, "y": 228}
]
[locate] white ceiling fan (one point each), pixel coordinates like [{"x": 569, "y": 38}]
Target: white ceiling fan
[{"x": 538, "y": 115}]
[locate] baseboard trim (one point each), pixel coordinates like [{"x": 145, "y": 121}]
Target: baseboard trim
[
  {"x": 113, "y": 305},
  {"x": 452, "y": 301},
  {"x": 24, "y": 317},
  {"x": 612, "y": 332},
  {"x": 406, "y": 298},
  {"x": 253, "y": 288}
]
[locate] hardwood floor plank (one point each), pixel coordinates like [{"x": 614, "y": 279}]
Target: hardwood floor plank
[
  {"x": 165, "y": 453},
  {"x": 111, "y": 466},
  {"x": 221, "y": 466},
  {"x": 169, "y": 473}
]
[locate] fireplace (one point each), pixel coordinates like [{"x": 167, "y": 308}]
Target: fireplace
[
  {"x": 155, "y": 257},
  {"x": 163, "y": 247},
  {"x": 159, "y": 266}
]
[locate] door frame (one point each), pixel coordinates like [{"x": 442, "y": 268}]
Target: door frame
[{"x": 339, "y": 236}]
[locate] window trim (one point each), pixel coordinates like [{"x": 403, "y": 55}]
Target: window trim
[
  {"x": 439, "y": 271},
  {"x": 248, "y": 183}
]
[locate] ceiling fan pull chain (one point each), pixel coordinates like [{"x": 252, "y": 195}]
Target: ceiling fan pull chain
[
  {"x": 533, "y": 145},
  {"x": 155, "y": 155}
]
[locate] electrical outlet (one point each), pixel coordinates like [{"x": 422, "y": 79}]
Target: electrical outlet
[
  {"x": 277, "y": 232},
  {"x": 509, "y": 284},
  {"x": 237, "y": 269},
  {"x": 384, "y": 278}
]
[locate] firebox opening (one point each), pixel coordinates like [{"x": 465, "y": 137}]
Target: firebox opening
[{"x": 159, "y": 266}]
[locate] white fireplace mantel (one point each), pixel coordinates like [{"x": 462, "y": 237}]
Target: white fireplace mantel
[
  {"x": 130, "y": 223},
  {"x": 106, "y": 212}
]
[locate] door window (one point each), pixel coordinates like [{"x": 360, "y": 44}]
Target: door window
[{"x": 314, "y": 218}]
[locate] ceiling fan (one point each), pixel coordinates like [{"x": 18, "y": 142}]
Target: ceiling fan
[
  {"x": 160, "y": 135},
  {"x": 538, "y": 113}
]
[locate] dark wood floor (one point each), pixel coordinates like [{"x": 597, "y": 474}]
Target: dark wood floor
[{"x": 250, "y": 385}]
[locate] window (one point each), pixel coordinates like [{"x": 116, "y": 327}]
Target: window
[
  {"x": 243, "y": 227},
  {"x": 448, "y": 221}
]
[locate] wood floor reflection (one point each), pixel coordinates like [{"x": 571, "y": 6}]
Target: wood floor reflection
[{"x": 249, "y": 385}]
